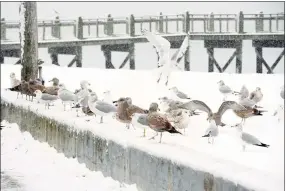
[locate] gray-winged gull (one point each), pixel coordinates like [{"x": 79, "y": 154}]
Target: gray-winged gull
[
  {"x": 256, "y": 95},
  {"x": 100, "y": 108},
  {"x": 66, "y": 96},
  {"x": 211, "y": 132},
  {"x": 140, "y": 120},
  {"x": 179, "y": 94},
  {"x": 162, "y": 45},
  {"x": 225, "y": 90},
  {"x": 45, "y": 98},
  {"x": 282, "y": 93},
  {"x": 248, "y": 139}
]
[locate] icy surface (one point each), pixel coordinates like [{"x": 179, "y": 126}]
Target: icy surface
[
  {"x": 37, "y": 166},
  {"x": 257, "y": 168}
]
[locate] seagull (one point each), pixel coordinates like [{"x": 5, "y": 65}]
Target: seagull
[
  {"x": 179, "y": 94},
  {"x": 211, "y": 132},
  {"x": 66, "y": 96},
  {"x": 126, "y": 109},
  {"x": 243, "y": 93},
  {"x": 248, "y": 139},
  {"x": 45, "y": 98},
  {"x": 13, "y": 80},
  {"x": 53, "y": 90},
  {"x": 256, "y": 95},
  {"x": 225, "y": 90},
  {"x": 282, "y": 94},
  {"x": 163, "y": 46},
  {"x": 159, "y": 123},
  {"x": 100, "y": 108},
  {"x": 180, "y": 118},
  {"x": 140, "y": 120},
  {"x": 167, "y": 104}
]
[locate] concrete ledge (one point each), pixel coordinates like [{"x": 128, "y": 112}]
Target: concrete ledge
[{"x": 125, "y": 164}]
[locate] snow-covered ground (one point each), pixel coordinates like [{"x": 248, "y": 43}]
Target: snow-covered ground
[
  {"x": 37, "y": 166},
  {"x": 257, "y": 168}
]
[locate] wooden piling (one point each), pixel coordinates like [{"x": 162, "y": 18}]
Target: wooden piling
[
  {"x": 29, "y": 56},
  {"x": 187, "y": 29},
  {"x": 131, "y": 49},
  {"x": 211, "y": 55},
  {"x": 56, "y": 28},
  {"x": 258, "y": 50},
  {"x": 79, "y": 48},
  {"x": 240, "y": 22},
  {"x": 238, "y": 68},
  {"x": 3, "y": 29}
]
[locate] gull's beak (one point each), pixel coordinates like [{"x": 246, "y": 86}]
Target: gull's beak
[
  {"x": 115, "y": 101},
  {"x": 50, "y": 80}
]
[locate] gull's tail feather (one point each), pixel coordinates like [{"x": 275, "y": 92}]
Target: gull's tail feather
[
  {"x": 207, "y": 135},
  {"x": 262, "y": 145},
  {"x": 173, "y": 130}
]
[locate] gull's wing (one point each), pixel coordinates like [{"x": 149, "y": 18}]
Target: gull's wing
[
  {"x": 244, "y": 93},
  {"x": 105, "y": 107},
  {"x": 196, "y": 104},
  {"x": 162, "y": 45},
  {"x": 225, "y": 89},
  {"x": 48, "y": 97},
  {"x": 250, "y": 139},
  {"x": 178, "y": 55},
  {"x": 182, "y": 95},
  {"x": 230, "y": 105}
]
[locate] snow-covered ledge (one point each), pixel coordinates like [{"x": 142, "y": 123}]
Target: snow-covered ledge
[{"x": 127, "y": 160}]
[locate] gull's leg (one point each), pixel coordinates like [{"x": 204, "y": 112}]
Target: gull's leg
[
  {"x": 184, "y": 131},
  {"x": 18, "y": 95},
  {"x": 243, "y": 148},
  {"x": 48, "y": 105},
  {"x": 161, "y": 134},
  {"x": 77, "y": 113},
  {"x": 101, "y": 119},
  {"x": 154, "y": 136},
  {"x": 159, "y": 78},
  {"x": 167, "y": 81},
  {"x": 45, "y": 106},
  {"x": 64, "y": 106},
  {"x": 127, "y": 125},
  {"x": 212, "y": 140}
]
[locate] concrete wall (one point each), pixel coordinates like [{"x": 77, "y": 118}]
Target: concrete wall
[{"x": 125, "y": 164}]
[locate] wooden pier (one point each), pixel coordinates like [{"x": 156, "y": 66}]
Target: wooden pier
[{"x": 216, "y": 30}]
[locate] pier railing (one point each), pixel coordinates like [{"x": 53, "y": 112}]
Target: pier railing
[{"x": 83, "y": 28}]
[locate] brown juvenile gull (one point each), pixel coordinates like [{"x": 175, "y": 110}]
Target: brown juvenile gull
[
  {"x": 33, "y": 86},
  {"x": 256, "y": 95},
  {"x": 140, "y": 120},
  {"x": 248, "y": 139},
  {"x": 225, "y": 90},
  {"x": 179, "y": 94},
  {"x": 45, "y": 98},
  {"x": 53, "y": 90},
  {"x": 159, "y": 123},
  {"x": 125, "y": 109},
  {"x": 100, "y": 108},
  {"x": 180, "y": 118}
]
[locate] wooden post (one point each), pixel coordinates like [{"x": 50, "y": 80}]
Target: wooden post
[
  {"x": 109, "y": 26},
  {"x": 259, "y": 68},
  {"x": 161, "y": 23},
  {"x": 211, "y": 55},
  {"x": 79, "y": 48},
  {"x": 56, "y": 28},
  {"x": 211, "y": 23},
  {"x": 54, "y": 58},
  {"x": 132, "y": 46},
  {"x": 259, "y": 23},
  {"x": 29, "y": 56},
  {"x": 1, "y": 57},
  {"x": 40, "y": 72},
  {"x": 238, "y": 68},
  {"x": 3, "y": 29},
  {"x": 187, "y": 29},
  {"x": 107, "y": 55},
  {"x": 240, "y": 22}
]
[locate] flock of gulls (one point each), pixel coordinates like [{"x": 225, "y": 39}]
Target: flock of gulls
[{"x": 170, "y": 115}]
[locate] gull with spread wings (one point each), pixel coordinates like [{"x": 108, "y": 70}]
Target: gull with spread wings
[{"x": 163, "y": 46}]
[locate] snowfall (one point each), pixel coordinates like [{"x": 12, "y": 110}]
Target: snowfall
[{"x": 257, "y": 168}]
